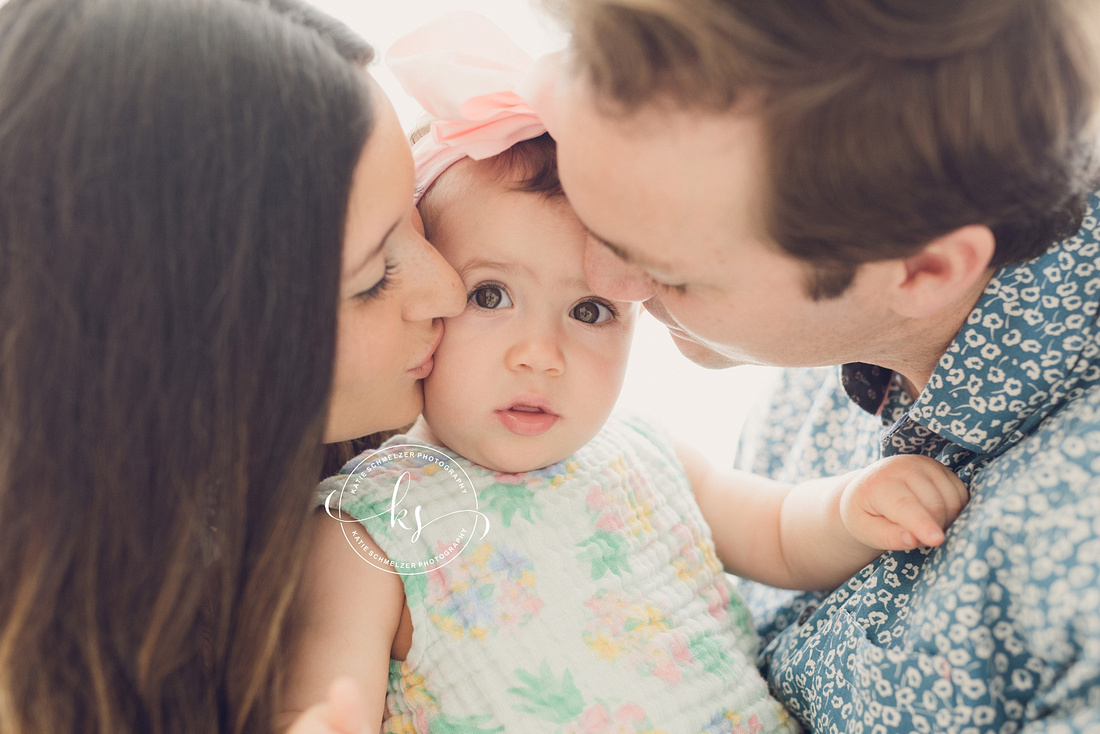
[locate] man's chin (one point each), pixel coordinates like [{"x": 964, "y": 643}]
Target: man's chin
[{"x": 702, "y": 355}]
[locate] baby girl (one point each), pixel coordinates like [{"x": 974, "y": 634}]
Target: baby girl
[{"x": 519, "y": 561}]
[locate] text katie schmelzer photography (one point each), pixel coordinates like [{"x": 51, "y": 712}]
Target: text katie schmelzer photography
[{"x": 402, "y": 496}]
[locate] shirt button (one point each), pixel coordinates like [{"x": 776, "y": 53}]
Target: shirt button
[{"x": 808, "y": 612}]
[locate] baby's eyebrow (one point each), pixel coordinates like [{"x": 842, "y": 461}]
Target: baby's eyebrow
[
  {"x": 577, "y": 284},
  {"x": 510, "y": 268},
  {"x": 479, "y": 263}
]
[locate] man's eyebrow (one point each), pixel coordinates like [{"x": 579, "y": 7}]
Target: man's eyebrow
[
  {"x": 352, "y": 272},
  {"x": 629, "y": 257}
]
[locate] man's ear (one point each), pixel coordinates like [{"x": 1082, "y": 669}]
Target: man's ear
[{"x": 945, "y": 270}]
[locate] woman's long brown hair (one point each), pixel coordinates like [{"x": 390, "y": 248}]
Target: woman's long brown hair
[{"x": 174, "y": 177}]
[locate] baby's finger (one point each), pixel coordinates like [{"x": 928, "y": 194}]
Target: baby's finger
[
  {"x": 909, "y": 513},
  {"x": 876, "y": 531},
  {"x": 957, "y": 491},
  {"x": 946, "y": 481},
  {"x": 931, "y": 499},
  {"x": 943, "y": 494}
]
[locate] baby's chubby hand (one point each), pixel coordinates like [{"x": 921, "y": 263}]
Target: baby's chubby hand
[
  {"x": 902, "y": 502},
  {"x": 344, "y": 712}
]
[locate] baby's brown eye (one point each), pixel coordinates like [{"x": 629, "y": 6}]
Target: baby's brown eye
[
  {"x": 592, "y": 312},
  {"x": 490, "y": 297}
]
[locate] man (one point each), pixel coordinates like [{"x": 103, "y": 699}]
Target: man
[{"x": 904, "y": 189}]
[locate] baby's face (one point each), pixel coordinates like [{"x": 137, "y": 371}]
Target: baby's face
[{"x": 530, "y": 371}]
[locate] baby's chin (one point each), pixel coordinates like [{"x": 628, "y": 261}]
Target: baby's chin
[
  {"x": 512, "y": 460},
  {"x": 520, "y": 467},
  {"x": 507, "y": 455},
  {"x": 516, "y": 462}
]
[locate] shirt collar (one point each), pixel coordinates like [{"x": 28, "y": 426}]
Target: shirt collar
[{"x": 1031, "y": 339}]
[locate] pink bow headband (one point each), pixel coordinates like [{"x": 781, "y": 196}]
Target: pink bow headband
[{"x": 485, "y": 93}]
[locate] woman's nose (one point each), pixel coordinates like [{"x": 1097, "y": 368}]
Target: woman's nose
[
  {"x": 436, "y": 290},
  {"x": 608, "y": 275}
]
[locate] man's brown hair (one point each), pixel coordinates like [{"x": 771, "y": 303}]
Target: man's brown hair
[{"x": 888, "y": 123}]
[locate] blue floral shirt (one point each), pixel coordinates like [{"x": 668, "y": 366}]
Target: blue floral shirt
[{"x": 997, "y": 630}]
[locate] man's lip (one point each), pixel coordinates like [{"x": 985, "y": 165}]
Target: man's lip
[
  {"x": 657, "y": 310},
  {"x": 677, "y": 331}
]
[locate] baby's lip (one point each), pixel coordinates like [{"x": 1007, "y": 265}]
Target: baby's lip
[
  {"x": 529, "y": 415},
  {"x": 530, "y": 403}
]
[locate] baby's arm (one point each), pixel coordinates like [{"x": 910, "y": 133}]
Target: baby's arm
[
  {"x": 816, "y": 534},
  {"x": 349, "y": 615}
]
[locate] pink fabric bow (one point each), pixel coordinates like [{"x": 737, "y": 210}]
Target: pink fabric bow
[{"x": 485, "y": 93}]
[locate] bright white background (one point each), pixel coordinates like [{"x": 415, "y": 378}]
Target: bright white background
[{"x": 705, "y": 408}]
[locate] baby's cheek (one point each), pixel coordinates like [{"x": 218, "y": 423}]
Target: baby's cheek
[
  {"x": 437, "y": 397},
  {"x": 603, "y": 391}
]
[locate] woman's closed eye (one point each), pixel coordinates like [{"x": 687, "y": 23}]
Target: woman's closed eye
[
  {"x": 490, "y": 296},
  {"x": 593, "y": 312},
  {"x": 380, "y": 287}
]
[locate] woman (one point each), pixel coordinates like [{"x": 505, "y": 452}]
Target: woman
[{"x": 204, "y": 206}]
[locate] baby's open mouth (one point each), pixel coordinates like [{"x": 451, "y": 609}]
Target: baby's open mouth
[{"x": 525, "y": 419}]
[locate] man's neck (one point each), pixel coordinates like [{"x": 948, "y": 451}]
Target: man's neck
[{"x": 918, "y": 345}]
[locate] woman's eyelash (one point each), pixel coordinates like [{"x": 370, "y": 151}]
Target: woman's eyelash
[{"x": 381, "y": 286}]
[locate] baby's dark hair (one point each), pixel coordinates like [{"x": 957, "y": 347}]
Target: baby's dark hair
[{"x": 532, "y": 166}]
